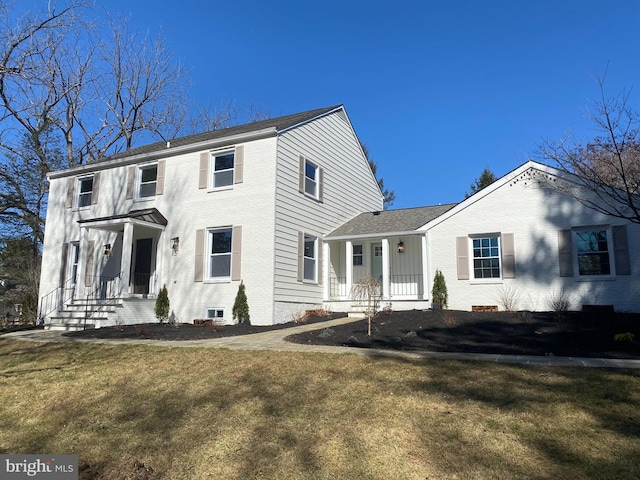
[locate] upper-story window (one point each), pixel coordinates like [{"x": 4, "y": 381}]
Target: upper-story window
[
  {"x": 223, "y": 168},
  {"x": 148, "y": 180},
  {"x": 592, "y": 249},
  {"x": 85, "y": 191},
  {"x": 311, "y": 177}
]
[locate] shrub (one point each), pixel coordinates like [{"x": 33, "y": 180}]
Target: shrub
[
  {"x": 299, "y": 316},
  {"x": 559, "y": 301},
  {"x": 508, "y": 297},
  {"x": 439, "y": 291},
  {"x": 240, "y": 306},
  {"x": 326, "y": 333},
  {"x": 161, "y": 308},
  {"x": 624, "y": 337}
]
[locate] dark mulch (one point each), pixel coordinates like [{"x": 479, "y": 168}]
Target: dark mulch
[
  {"x": 186, "y": 331},
  {"x": 574, "y": 334}
]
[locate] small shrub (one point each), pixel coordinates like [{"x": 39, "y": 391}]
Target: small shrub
[
  {"x": 173, "y": 320},
  {"x": 524, "y": 316},
  {"x": 317, "y": 312},
  {"x": 559, "y": 301},
  {"x": 240, "y": 306},
  {"x": 439, "y": 291},
  {"x": 352, "y": 340},
  {"x": 387, "y": 309},
  {"x": 449, "y": 319},
  {"x": 142, "y": 330},
  {"x": 367, "y": 290},
  {"x": 326, "y": 333},
  {"x": 411, "y": 334},
  {"x": 624, "y": 337},
  {"x": 161, "y": 308},
  {"x": 508, "y": 298},
  {"x": 395, "y": 340},
  {"x": 299, "y": 316}
]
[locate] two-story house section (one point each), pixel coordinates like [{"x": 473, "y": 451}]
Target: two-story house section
[{"x": 201, "y": 214}]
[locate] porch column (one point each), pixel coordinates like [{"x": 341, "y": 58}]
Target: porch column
[
  {"x": 425, "y": 269},
  {"x": 326, "y": 269},
  {"x": 125, "y": 260},
  {"x": 349, "y": 267},
  {"x": 385, "y": 268},
  {"x": 83, "y": 246}
]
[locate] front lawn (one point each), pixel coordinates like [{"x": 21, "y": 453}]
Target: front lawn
[{"x": 188, "y": 413}]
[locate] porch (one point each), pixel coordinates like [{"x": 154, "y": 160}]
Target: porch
[{"x": 398, "y": 264}]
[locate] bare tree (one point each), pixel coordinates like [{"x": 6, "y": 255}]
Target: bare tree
[
  {"x": 367, "y": 291},
  {"x": 607, "y": 168},
  {"x": 68, "y": 96}
]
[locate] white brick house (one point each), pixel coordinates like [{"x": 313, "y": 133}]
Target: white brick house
[
  {"x": 201, "y": 214},
  {"x": 517, "y": 239},
  {"x": 290, "y": 207}
]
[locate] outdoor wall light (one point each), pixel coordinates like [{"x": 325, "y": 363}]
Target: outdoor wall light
[
  {"x": 107, "y": 249},
  {"x": 175, "y": 244},
  {"x": 400, "y": 247}
]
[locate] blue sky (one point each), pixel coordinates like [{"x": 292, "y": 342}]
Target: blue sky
[{"x": 436, "y": 90}]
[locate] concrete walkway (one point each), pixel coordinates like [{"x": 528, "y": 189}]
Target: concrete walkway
[{"x": 274, "y": 340}]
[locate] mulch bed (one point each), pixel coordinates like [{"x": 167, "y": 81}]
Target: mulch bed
[
  {"x": 574, "y": 334},
  {"x": 187, "y": 331}
]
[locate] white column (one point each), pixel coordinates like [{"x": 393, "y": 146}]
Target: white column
[
  {"x": 386, "y": 264},
  {"x": 425, "y": 268},
  {"x": 349, "y": 267},
  {"x": 82, "y": 263},
  {"x": 326, "y": 269},
  {"x": 125, "y": 261}
]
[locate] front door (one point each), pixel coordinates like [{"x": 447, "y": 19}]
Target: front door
[
  {"x": 376, "y": 261},
  {"x": 142, "y": 267}
]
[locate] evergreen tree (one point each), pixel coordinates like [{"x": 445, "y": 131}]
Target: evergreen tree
[
  {"x": 485, "y": 179},
  {"x": 240, "y": 306},
  {"x": 161, "y": 308},
  {"x": 439, "y": 291}
]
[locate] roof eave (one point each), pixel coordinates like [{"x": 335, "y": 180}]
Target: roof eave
[{"x": 168, "y": 152}]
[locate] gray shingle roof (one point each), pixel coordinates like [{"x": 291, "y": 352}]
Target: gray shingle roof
[
  {"x": 279, "y": 123},
  {"x": 389, "y": 221}
]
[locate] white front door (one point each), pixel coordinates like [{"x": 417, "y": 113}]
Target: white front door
[{"x": 376, "y": 261}]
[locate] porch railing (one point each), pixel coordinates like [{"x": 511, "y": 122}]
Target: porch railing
[
  {"x": 406, "y": 285},
  {"x": 144, "y": 283},
  {"x": 55, "y": 299}
]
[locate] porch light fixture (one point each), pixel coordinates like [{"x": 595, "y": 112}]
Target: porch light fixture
[
  {"x": 107, "y": 249},
  {"x": 175, "y": 244},
  {"x": 400, "y": 246}
]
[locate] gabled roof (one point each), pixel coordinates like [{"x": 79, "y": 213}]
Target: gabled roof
[
  {"x": 277, "y": 124},
  {"x": 388, "y": 221}
]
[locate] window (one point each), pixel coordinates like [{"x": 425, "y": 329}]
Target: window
[
  {"x": 310, "y": 256},
  {"x": 220, "y": 253},
  {"x": 148, "y": 180},
  {"x": 486, "y": 257},
  {"x": 357, "y": 255},
  {"x": 310, "y": 179},
  {"x": 377, "y": 250},
  {"x": 592, "y": 248},
  {"x": 223, "y": 164},
  {"x": 217, "y": 314},
  {"x": 85, "y": 191}
]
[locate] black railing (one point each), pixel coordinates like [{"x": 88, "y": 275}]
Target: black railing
[
  {"x": 105, "y": 291},
  {"x": 55, "y": 299}
]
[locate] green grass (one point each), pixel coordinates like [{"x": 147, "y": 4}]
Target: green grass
[{"x": 202, "y": 413}]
